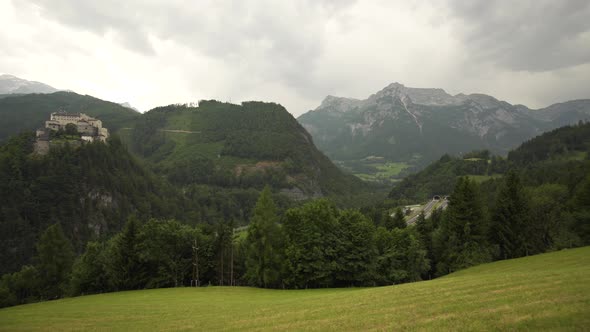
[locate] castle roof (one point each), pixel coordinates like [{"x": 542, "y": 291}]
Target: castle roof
[{"x": 64, "y": 113}]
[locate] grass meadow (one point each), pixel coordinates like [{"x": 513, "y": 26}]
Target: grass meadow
[{"x": 548, "y": 292}]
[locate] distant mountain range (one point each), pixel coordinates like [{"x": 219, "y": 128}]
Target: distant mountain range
[
  {"x": 417, "y": 126},
  {"x": 13, "y": 85},
  {"x": 386, "y": 136}
]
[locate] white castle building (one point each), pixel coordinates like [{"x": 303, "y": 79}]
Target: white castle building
[{"x": 90, "y": 128}]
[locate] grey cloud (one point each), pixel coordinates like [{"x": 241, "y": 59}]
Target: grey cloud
[
  {"x": 100, "y": 17},
  {"x": 299, "y": 51},
  {"x": 274, "y": 40},
  {"x": 531, "y": 35}
]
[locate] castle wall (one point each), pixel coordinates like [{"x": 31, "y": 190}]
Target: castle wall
[
  {"x": 90, "y": 128},
  {"x": 86, "y": 128},
  {"x": 85, "y": 124}
]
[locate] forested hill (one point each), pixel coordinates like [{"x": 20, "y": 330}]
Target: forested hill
[
  {"x": 28, "y": 112},
  {"x": 569, "y": 142},
  {"x": 559, "y": 156},
  {"x": 243, "y": 146},
  {"x": 90, "y": 191}
]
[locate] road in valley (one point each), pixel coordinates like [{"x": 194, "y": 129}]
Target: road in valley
[{"x": 427, "y": 209}]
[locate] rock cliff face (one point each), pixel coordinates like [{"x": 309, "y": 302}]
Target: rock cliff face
[{"x": 401, "y": 123}]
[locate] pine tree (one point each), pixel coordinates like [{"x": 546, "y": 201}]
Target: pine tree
[
  {"x": 512, "y": 225},
  {"x": 416, "y": 258},
  {"x": 264, "y": 243},
  {"x": 461, "y": 240},
  {"x": 56, "y": 256},
  {"x": 581, "y": 200},
  {"x": 397, "y": 221},
  {"x": 125, "y": 267},
  {"x": 425, "y": 228}
]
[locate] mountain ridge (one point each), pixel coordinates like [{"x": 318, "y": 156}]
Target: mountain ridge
[
  {"x": 418, "y": 125},
  {"x": 10, "y": 84},
  {"x": 437, "y": 96}
]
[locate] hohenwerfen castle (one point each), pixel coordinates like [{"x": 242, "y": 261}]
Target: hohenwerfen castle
[{"x": 89, "y": 128}]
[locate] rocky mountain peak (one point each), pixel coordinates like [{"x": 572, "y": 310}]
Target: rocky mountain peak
[
  {"x": 485, "y": 101},
  {"x": 422, "y": 96},
  {"x": 12, "y": 84},
  {"x": 339, "y": 104}
]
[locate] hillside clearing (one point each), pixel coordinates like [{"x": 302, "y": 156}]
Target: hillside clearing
[
  {"x": 383, "y": 172},
  {"x": 549, "y": 291}
]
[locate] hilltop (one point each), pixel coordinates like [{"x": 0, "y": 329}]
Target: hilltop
[
  {"x": 522, "y": 294},
  {"x": 29, "y": 112},
  {"x": 558, "y": 156},
  {"x": 228, "y": 145}
]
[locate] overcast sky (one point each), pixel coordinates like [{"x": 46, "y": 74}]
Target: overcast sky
[{"x": 151, "y": 53}]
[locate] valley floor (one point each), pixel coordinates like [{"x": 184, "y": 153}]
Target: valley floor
[{"x": 549, "y": 292}]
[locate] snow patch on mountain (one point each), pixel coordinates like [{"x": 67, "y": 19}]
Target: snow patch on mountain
[{"x": 10, "y": 84}]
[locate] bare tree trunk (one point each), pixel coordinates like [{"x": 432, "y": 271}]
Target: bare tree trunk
[
  {"x": 197, "y": 283},
  {"x": 221, "y": 277},
  {"x": 231, "y": 274},
  {"x": 195, "y": 279}
]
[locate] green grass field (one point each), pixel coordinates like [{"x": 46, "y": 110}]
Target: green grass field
[
  {"x": 385, "y": 172},
  {"x": 548, "y": 292}
]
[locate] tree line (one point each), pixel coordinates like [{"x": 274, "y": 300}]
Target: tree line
[{"x": 311, "y": 246}]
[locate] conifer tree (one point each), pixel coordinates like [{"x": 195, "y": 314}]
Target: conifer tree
[
  {"x": 56, "y": 256},
  {"x": 581, "y": 201},
  {"x": 264, "y": 243},
  {"x": 461, "y": 240},
  {"x": 511, "y": 223},
  {"x": 425, "y": 228},
  {"x": 125, "y": 266},
  {"x": 397, "y": 221}
]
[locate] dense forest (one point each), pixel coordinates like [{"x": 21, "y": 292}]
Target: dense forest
[
  {"x": 214, "y": 177},
  {"x": 89, "y": 190},
  {"x": 237, "y": 146},
  {"x": 539, "y": 202},
  {"x": 559, "y": 156}
]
